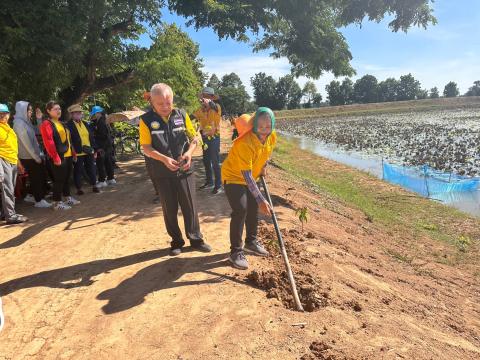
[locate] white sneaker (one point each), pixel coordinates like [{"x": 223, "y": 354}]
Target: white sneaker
[
  {"x": 102, "y": 184},
  {"x": 43, "y": 204},
  {"x": 111, "y": 182},
  {"x": 2, "y": 318},
  {"x": 72, "y": 201},
  {"x": 29, "y": 198},
  {"x": 61, "y": 206}
]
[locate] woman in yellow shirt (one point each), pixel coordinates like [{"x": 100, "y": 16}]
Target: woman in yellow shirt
[
  {"x": 56, "y": 139},
  {"x": 9, "y": 165},
  {"x": 240, "y": 172}
]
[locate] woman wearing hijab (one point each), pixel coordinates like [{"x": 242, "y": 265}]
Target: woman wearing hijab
[
  {"x": 241, "y": 171},
  {"x": 29, "y": 152}
]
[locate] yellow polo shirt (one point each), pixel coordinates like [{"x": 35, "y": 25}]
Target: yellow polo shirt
[
  {"x": 84, "y": 136},
  {"x": 209, "y": 118},
  {"x": 64, "y": 135},
  {"x": 146, "y": 137},
  {"x": 8, "y": 144},
  {"x": 247, "y": 153}
]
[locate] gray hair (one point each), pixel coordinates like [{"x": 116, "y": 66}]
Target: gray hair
[{"x": 161, "y": 89}]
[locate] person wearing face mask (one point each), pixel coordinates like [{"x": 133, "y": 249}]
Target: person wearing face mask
[
  {"x": 57, "y": 142},
  {"x": 83, "y": 144},
  {"x": 104, "y": 147},
  {"x": 241, "y": 171},
  {"x": 9, "y": 168},
  {"x": 30, "y": 153},
  {"x": 168, "y": 140}
]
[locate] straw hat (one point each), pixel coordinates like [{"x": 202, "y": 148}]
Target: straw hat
[{"x": 74, "y": 108}]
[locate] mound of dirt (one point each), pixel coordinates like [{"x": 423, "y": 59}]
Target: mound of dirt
[
  {"x": 320, "y": 350},
  {"x": 275, "y": 282}
]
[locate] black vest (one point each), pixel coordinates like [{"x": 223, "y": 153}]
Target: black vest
[{"x": 168, "y": 138}]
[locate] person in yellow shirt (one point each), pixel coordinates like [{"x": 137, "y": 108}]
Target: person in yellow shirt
[
  {"x": 241, "y": 171},
  {"x": 82, "y": 142},
  {"x": 9, "y": 166},
  {"x": 58, "y": 145},
  {"x": 209, "y": 116},
  {"x": 168, "y": 140}
]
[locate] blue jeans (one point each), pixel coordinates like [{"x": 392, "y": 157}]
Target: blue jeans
[{"x": 211, "y": 161}]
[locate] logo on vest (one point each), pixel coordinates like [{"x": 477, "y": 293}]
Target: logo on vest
[
  {"x": 178, "y": 121},
  {"x": 155, "y": 125}
]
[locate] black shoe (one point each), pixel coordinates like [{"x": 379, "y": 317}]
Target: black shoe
[
  {"x": 217, "y": 190},
  {"x": 175, "y": 251},
  {"x": 203, "y": 247},
  {"x": 206, "y": 186},
  {"x": 80, "y": 192},
  {"x": 17, "y": 219}
]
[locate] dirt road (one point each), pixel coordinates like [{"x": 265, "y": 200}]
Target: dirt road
[{"x": 97, "y": 282}]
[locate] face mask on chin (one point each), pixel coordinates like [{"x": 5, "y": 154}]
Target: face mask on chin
[{"x": 77, "y": 116}]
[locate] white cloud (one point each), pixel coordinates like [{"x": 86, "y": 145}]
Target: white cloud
[{"x": 246, "y": 67}]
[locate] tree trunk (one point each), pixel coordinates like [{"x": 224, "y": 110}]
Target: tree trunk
[{"x": 83, "y": 87}]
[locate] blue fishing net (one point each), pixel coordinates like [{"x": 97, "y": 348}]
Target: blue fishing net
[{"x": 427, "y": 181}]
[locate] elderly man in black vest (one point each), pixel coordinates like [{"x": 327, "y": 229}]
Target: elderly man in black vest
[{"x": 168, "y": 140}]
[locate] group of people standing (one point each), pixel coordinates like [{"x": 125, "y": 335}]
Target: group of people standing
[
  {"x": 50, "y": 151},
  {"x": 169, "y": 139}
]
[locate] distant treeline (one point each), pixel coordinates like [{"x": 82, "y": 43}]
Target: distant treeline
[{"x": 286, "y": 93}]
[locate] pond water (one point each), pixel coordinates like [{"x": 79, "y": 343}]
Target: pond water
[{"x": 468, "y": 202}]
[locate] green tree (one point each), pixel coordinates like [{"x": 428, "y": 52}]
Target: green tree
[
  {"x": 434, "y": 93},
  {"x": 233, "y": 96},
  {"x": 173, "y": 59},
  {"x": 422, "y": 94},
  {"x": 294, "y": 96},
  {"x": 214, "y": 82},
  {"x": 451, "y": 90},
  {"x": 287, "y": 93},
  {"x": 346, "y": 89},
  {"x": 75, "y": 48},
  {"x": 309, "y": 91},
  {"x": 474, "y": 90},
  {"x": 366, "y": 89},
  {"x": 387, "y": 90},
  {"x": 408, "y": 88},
  {"x": 317, "y": 100},
  {"x": 334, "y": 92},
  {"x": 264, "y": 89}
]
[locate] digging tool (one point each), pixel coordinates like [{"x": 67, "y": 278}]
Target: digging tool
[{"x": 291, "y": 279}]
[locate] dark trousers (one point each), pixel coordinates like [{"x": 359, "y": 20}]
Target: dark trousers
[
  {"x": 211, "y": 161},
  {"x": 244, "y": 213},
  {"x": 84, "y": 163},
  {"x": 105, "y": 166},
  {"x": 61, "y": 178},
  {"x": 37, "y": 177},
  {"x": 179, "y": 191},
  {"x": 150, "y": 172}
]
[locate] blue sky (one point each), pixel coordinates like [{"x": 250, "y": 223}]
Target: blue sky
[{"x": 448, "y": 51}]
